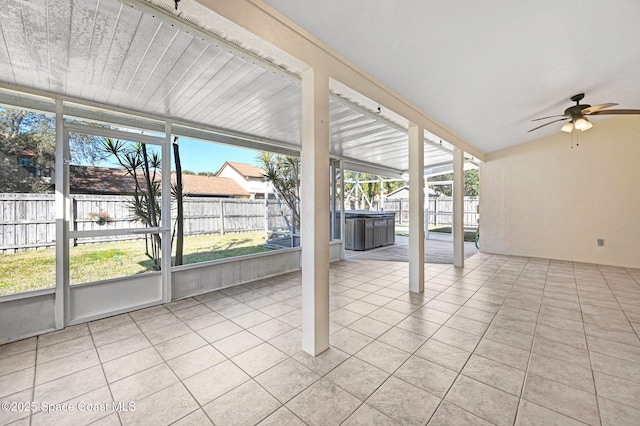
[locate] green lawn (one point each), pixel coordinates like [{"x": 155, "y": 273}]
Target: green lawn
[
  {"x": 469, "y": 235},
  {"x": 34, "y": 270}
]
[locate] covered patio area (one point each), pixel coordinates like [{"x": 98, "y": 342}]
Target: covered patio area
[
  {"x": 539, "y": 327},
  {"x": 147, "y": 75},
  {"x": 503, "y": 340}
]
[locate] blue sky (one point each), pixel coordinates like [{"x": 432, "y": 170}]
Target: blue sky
[
  {"x": 209, "y": 157},
  {"x": 196, "y": 156},
  {"x": 199, "y": 156}
]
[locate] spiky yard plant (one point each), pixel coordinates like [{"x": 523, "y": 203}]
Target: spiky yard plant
[
  {"x": 284, "y": 174},
  {"x": 144, "y": 168}
]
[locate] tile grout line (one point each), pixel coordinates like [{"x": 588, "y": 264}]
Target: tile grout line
[
  {"x": 104, "y": 374},
  {"x": 281, "y": 404},
  {"x": 413, "y": 353},
  {"x": 35, "y": 372},
  {"x": 251, "y": 379},
  {"x": 75, "y": 372},
  {"x": 493, "y": 319},
  {"x": 531, "y": 352},
  {"x": 586, "y": 341},
  {"x": 459, "y": 373},
  {"x": 164, "y": 361},
  {"x": 616, "y": 297},
  {"x": 553, "y": 380},
  {"x": 376, "y": 339},
  {"x": 533, "y": 341}
]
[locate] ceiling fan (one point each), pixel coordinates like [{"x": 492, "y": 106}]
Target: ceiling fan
[{"x": 577, "y": 114}]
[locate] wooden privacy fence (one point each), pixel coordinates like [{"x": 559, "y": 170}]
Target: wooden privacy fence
[
  {"x": 27, "y": 221},
  {"x": 440, "y": 210}
]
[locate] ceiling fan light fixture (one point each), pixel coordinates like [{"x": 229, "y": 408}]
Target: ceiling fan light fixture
[
  {"x": 568, "y": 127},
  {"x": 583, "y": 124},
  {"x": 577, "y": 113}
]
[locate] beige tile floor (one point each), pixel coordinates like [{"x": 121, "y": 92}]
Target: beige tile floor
[{"x": 506, "y": 340}]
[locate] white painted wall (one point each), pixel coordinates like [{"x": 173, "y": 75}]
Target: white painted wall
[{"x": 544, "y": 199}]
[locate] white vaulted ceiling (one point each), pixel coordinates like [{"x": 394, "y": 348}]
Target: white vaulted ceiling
[{"x": 131, "y": 56}]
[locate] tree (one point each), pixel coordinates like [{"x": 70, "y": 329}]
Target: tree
[
  {"x": 284, "y": 174},
  {"x": 471, "y": 183},
  {"x": 29, "y": 138},
  {"x": 370, "y": 184},
  {"x": 28, "y": 134}
]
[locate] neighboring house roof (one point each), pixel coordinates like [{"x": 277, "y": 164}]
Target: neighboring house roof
[
  {"x": 28, "y": 153},
  {"x": 99, "y": 180},
  {"x": 211, "y": 185},
  {"x": 106, "y": 180},
  {"x": 246, "y": 170}
]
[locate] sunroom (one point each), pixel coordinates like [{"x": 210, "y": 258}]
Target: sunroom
[
  {"x": 134, "y": 73},
  {"x": 307, "y": 335}
]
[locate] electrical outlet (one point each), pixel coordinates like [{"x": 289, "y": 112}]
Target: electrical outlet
[{"x": 600, "y": 242}]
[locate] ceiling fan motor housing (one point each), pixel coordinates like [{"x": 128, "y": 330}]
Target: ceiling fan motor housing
[{"x": 576, "y": 110}]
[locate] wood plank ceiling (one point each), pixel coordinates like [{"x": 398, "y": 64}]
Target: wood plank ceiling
[{"x": 104, "y": 52}]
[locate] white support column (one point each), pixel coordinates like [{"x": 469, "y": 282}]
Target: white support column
[
  {"x": 427, "y": 211},
  {"x": 62, "y": 224},
  {"x": 167, "y": 148},
  {"x": 314, "y": 213},
  {"x": 458, "y": 208},
  {"x": 266, "y": 211},
  {"x": 381, "y": 204},
  {"x": 343, "y": 219},
  {"x": 416, "y": 209},
  {"x": 332, "y": 199}
]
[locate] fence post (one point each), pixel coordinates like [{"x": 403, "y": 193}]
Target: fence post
[
  {"x": 435, "y": 213},
  {"x": 266, "y": 212},
  {"x": 74, "y": 217},
  {"x": 221, "y": 217}
]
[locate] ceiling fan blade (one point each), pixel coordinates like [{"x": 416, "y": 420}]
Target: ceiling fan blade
[
  {"x": 551, "y": 116},
  {"x": 595, "y": 108},
  {"x": 546, "y": 124},
  {"x": 616, "y": 111}
]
